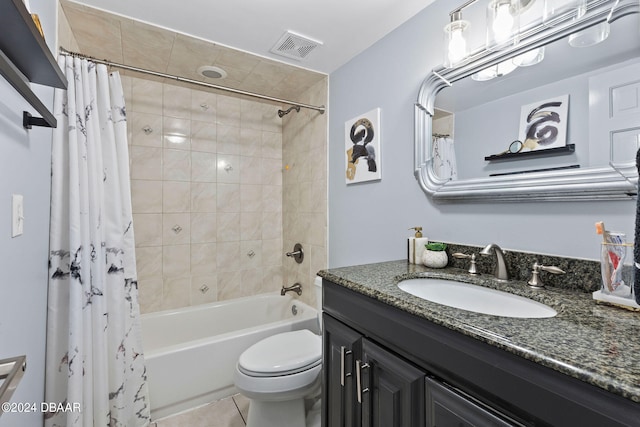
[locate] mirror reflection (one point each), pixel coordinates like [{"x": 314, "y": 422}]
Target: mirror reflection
[{"x": 570, "y": 104}]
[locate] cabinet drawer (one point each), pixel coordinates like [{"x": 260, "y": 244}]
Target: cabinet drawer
[{"x": 447, "y": 408}]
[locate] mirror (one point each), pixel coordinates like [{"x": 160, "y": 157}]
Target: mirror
[{"x": 566, "y": 128}]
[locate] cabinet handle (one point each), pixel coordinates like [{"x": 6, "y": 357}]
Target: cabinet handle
[
  {"x": 361, "y": 390},
  {"x": 343, "y": 353}
]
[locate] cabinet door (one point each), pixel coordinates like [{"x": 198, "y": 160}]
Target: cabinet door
[
  {"x": 392, "y": 389},
  {"x": 447, "y": 408},
  {"x": 342, "y": 345}
]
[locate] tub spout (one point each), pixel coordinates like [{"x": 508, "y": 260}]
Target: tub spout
[{"x": 296, "y": 287}]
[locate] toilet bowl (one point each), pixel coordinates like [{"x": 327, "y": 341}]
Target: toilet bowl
[{"x": 278, "y": 373}]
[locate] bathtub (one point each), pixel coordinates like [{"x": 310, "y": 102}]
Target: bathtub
[{"x": 191, "y": 352}]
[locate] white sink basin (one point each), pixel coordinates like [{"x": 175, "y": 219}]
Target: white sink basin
[{"x": 475, "y": 298}]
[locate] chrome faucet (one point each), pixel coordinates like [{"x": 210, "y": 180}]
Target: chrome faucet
[
  {"x": 296, "y": 287},
  {"x": 500, "y": 270}
]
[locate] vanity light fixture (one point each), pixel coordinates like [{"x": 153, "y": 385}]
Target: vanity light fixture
[
  {"x": 553, "y": 10},
  {"x": 532, "y": 57},
  {"x": 503, "y": 23},
  {"x": 498, "y": 70},
  {"x": 455, "y": 42}
]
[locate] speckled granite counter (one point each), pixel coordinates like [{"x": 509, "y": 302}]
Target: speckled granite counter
[{"x": 595, "y": 343}]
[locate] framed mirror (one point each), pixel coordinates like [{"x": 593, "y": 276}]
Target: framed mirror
[{"x": 588, "y": 99}]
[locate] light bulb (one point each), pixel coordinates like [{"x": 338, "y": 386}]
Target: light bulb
[
  {"x": 503, "y": 23},
  {"x": 457, "y": 46}
]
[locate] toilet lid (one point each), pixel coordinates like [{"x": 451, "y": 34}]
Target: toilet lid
[{"x": 284, "y": 353}]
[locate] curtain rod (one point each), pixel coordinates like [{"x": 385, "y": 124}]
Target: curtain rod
[{"x": 64, "y": 51}]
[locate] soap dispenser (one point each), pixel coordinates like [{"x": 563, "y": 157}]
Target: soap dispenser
[{"x": 416, "y": 246}]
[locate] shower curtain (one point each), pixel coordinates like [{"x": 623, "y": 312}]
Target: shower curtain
[
  {"x": 95, "y": 370},
  {"x": 444, "y": 157}
]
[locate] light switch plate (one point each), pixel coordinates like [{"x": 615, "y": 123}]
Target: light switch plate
[{"x": 17, "y": 215}]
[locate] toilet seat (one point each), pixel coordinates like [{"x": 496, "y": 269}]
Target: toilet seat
[{"x": 282, "y": 354}]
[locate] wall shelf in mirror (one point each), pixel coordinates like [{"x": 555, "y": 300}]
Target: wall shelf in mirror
[
  {"x": 25, "y": 57},
  {"x": 567, "y": 149},
  {"x": 487, "y": 112}
]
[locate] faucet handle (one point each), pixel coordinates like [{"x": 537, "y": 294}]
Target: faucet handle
[
  {"x": 472, "y": 268},
  {"x": 535, "y": 281}
]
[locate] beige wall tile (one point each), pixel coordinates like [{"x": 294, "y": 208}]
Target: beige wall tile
[
  {"x": 228, "y": 138},
  {"x": 176, "y": 228},
  {"x": 146, "y": 163},
  {"x": 204, "y": 257},
  {"x": 150, "y": 294},
  {"x": 176, "y": 165},
  {"x": 251, "y": 225},
  {"x": 228, "y": 197},
  {"x": 204, "y": 227},
  {"x": 271, "y": 225},
  {"x": 250, "y": 115},
  {"x": 176, "y": 133},
  {"x": 271, "y": 171},
  {"x": 251, "y": 170},
  {"x": 148, "y": 229},
  {"x": 251, "y": 198},
  {"x": 146, "y": 196},
  {"x": 272, "y": 252},
  {"x": 250, "y": 142},
  {"x": 204, "y": 166},
  {"x": 229, "y": 285},
  {"x": 250, "y": 254},
  {"x": 145, "y": 45},
  {"x": 228, "y": 227},
  {"x": 176, "y": 292},
  {"x": 176, "y": 196},
  {"x": 203, "y": 197},
  {"x": 203, "y": 136},
  {"x": 146, "y": 129},
  {"x": 229, "y": 168},
  {"x": 146, "y": 95},
  {"x": 272, "y": 198},
  {"x": 176, "y": 261},
  {"x": 228, "y": 111},
  {"x": 228, "y": 256},
  {"x": 204, "y": 106},
  {"x": 272, "y": 145},
  {"x": 204, "y": 289},
  {"x": 149, "y": 261},
  {"x": 176, "y": 101}
]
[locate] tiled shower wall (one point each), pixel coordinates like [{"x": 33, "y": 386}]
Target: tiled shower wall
[
  {"x": 305, "y": 190},
  {"x": 206, "y": 181}
]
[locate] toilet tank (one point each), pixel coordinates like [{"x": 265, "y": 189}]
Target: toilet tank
[{"x": 318, "y": 286}]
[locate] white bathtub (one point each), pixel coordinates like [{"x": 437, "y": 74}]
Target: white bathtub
[{"x": 191, "y": 352}]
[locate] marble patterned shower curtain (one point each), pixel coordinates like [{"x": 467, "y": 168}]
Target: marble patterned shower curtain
[
  {"x": 444, "y": 157},
  {"x": 94, "y": 363}
]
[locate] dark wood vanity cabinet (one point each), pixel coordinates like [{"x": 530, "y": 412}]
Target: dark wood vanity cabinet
[
  {"x": 384, "y": 367},
  {"x": 342, "y": 347},
  {"x": 366, "y": 385}
]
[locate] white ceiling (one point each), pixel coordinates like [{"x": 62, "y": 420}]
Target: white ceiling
[{"x": 345, "y": 27}]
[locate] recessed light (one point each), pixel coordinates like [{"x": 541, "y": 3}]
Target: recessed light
[{"x": 212, "y": 72}]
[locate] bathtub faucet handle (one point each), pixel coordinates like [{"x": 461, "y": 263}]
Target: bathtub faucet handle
[
  {"x": 297, "y": 253},
  {"x": 296, "y": 287}
]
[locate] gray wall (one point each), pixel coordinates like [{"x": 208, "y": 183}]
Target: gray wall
[
  {"x": 368, "y": 222},
  {"x": 25, "y": 167}
]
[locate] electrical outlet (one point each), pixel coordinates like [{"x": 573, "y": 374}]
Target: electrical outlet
[{"x": 17, "y": 215}]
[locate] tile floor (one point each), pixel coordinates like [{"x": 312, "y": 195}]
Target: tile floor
[{"x": 229, "y": 412}]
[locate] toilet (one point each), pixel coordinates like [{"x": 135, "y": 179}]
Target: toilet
[{"x": 279, "y": 372}]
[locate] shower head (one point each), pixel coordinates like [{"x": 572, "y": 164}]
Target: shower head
[{"x": 282, "y": 113}]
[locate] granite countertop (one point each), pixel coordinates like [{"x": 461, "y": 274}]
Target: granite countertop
[{"x": 594, "y": 343}]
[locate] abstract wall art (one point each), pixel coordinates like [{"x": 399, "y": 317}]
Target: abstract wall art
[
  {"x": 543, "y": 124},
  {"x": 362, "y": 148}
]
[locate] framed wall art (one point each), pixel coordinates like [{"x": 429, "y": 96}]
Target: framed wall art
[{"x": 362, "y": 148}]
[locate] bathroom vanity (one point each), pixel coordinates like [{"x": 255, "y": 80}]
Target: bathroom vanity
[{"x": 392, "y": 359}]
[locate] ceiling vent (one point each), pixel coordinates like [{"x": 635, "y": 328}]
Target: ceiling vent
[{"x": 294, "y": 46}]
